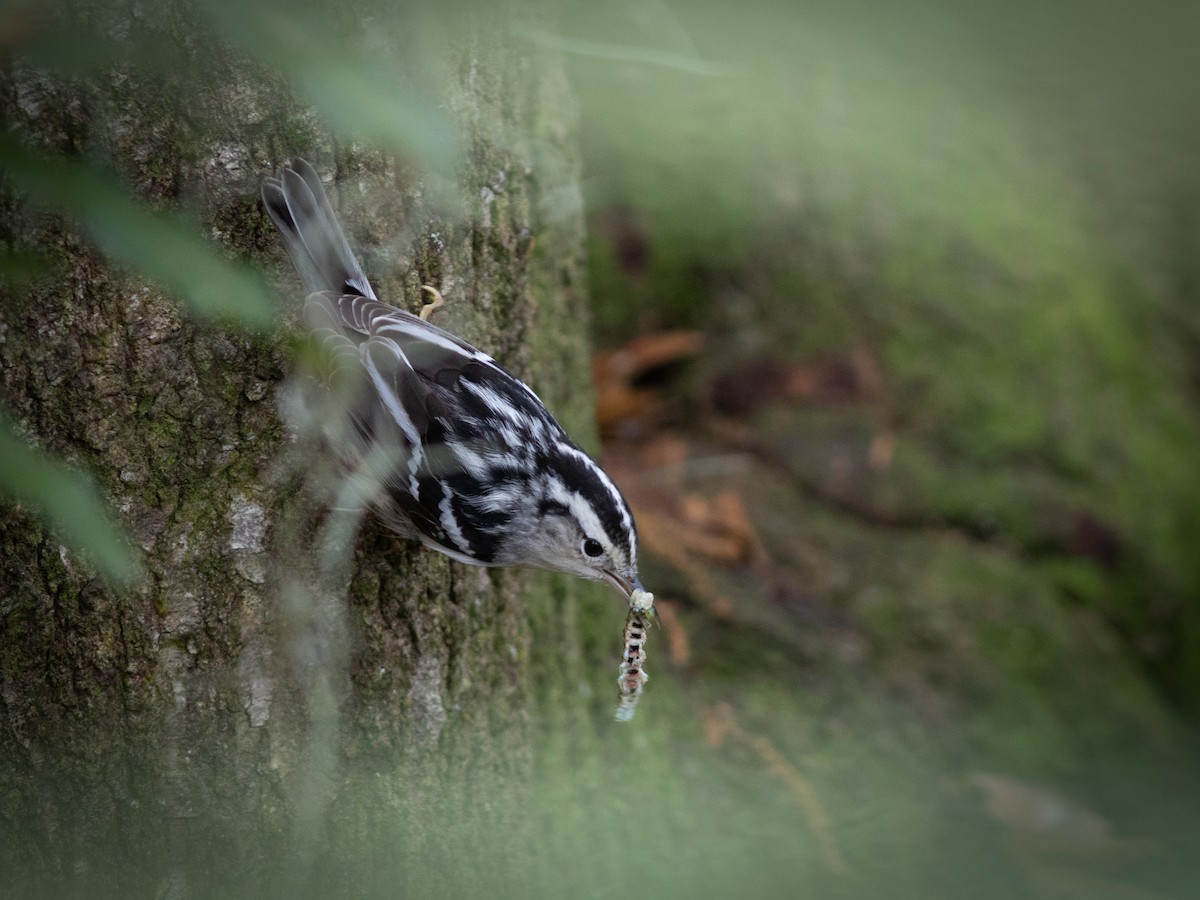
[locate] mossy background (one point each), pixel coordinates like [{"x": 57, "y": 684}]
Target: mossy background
[
  {"x": 994, "y": 204},
  {"x": 994, "y": 208},
  {"x": 985, "y": 215}
]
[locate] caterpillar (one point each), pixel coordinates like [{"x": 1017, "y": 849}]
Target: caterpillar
[{"x": 632, "y": 673}]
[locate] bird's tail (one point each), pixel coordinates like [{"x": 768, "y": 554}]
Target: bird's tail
[{"x": 297, "y": 204}]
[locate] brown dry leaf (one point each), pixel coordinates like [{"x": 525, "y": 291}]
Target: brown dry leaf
[
  {"x": 645, "y": 353},
  {"x": 719, "y": 526},
  {"x": 614, "y": 373},
  {"x": 666, "y": 450},
  {"x": 730, "y": 506},
  {"x": 617, "y": 402},
  {"x": 704, "y": 532}
]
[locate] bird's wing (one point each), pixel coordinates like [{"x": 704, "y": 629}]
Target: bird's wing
[
  {"x": 433, "y": 354},
  {"x": 449, "y": 420}
]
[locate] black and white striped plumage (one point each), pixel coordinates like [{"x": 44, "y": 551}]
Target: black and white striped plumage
[{"x": 463, "y": 456}]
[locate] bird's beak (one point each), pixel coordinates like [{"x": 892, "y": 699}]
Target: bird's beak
[{"x": 622, "y": 584}]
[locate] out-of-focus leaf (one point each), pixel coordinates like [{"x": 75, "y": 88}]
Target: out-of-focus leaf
[
  {"x": 161, "y": 245},
  {"x": 66, "y": 500},
  {"x": 622, "y": 400},
  {"x": 70, "y": 49},
  {"x": 18, "y": 18},
  {"x": 356, "y": 93},
  {"x": 19, "y": 268}
]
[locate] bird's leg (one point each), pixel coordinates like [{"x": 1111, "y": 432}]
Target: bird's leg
[{"x": 430, "y": 308}]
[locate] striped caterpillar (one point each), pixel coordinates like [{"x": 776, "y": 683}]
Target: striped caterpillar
[{"x": 632, "y": 674}]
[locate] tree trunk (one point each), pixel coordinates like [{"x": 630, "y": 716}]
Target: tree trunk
[{"x": 243, "y": 711}]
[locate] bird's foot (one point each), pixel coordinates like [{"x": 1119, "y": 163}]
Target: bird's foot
[{"x": 430, "y": 308}]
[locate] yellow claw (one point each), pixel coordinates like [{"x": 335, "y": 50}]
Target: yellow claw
[{"x": 430, "y": 308}]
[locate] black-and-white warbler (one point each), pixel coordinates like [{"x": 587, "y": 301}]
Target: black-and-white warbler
[{"x": 466, "y": 458}]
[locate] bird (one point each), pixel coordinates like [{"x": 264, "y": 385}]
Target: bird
[{"x": 463, "y": 456}]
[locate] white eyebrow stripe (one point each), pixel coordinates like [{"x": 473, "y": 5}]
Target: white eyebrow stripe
[
  {"x": 617, "y": 498},
  {"x": 582, "y": 512}
]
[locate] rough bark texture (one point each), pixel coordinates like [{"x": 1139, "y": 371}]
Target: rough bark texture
[{"x": 213, "y": 711}]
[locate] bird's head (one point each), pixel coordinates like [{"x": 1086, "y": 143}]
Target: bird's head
[{"x": 583, "y": 525}]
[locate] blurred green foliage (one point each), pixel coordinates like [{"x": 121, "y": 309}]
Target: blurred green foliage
[
  {"x": 160, "y": 245},
  {"x": 996, "y": 199},
  {"x": 355, "y": 93},
  {"x": 68, "y": 501}
]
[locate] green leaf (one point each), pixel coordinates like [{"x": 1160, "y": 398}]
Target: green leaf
[
  {"x": 163, "y": 246},
  {"x": 76, "y": 49},
  {"x": 18, "y": 268},
  {"x": 354, "y": 91},
  {"x": 69, "y": 502}
]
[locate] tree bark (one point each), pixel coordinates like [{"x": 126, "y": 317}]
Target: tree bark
[{"x": 211, "y": 723}]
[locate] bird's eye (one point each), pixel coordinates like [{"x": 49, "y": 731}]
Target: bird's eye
[{"x": 591, "y": 547}]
